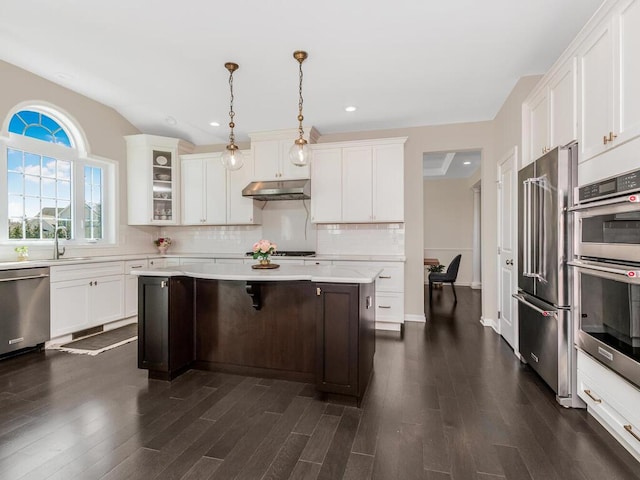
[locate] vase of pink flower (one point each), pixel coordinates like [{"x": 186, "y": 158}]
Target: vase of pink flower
[
  {"x": 163, "y": 244},
  {"x": 262, "y": 249}
]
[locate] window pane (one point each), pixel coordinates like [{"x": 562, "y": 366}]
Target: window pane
[
  {"x": 15, "y": 228},
  {"x": 14, "y": 183},
  {"x": 62, "y": 138},
  {"x": 36, "y": 131},
  {"x": 16, "y": 206},
  {"x": 32, "y": 186},
  {"x": 32, "y": 207},
  {"x": 16, "y": 125},
  {"x": 96, "y": 196},
  {"x": 48, "y": 188},
  {"x": 31, "y": 164},
  {"x": 97, "y": 176},
  {"x": 64, "y": 190},
  {"x": 48, "y": 167},
  {"x": 29, "y": 117},
  {"x": 14, "y": 160},
  {"x": 63, "y": 170},
  {"x": 49, "y": 123}
]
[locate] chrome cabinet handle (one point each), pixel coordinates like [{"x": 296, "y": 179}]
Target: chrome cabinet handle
[
  {"x": 384, "y": 306},
  {"x": 592, "y": 397},
  {"x": 385, "y": 276},
  {"x": 136, "y": 266},
  {"x": 629, "y": 428},
  {"x": 163, "y": 284}
]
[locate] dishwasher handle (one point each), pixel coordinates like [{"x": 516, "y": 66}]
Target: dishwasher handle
[{"x": 30, "y": 277}]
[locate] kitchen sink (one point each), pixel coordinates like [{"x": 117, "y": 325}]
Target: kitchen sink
[{"x": 68, "y": 259}]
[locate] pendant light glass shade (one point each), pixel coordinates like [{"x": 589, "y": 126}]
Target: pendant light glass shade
[
  {"x": 231, "y": 157},
  {"x": 300, "y": 153}
]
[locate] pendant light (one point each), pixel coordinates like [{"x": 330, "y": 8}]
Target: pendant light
[
  {"x": 231, "y": 157},
  {"x": 300, "y": 153}
]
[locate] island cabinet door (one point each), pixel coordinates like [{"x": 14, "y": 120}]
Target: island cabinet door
[
  {"x": 337, "y": 338},
  {"x": 165, "y": 325},
  {"x": 153, "y": 323}
]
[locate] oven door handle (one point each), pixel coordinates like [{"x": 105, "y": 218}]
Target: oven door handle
[
  {"x": 626, "y": 200},
  {"x": 544, "y": 313},
  {"x": 609, "y": 272}
]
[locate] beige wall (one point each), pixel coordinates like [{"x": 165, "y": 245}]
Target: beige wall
[
  {"x": 448, "y": 223},
  {"x": 104, "y": 129}
]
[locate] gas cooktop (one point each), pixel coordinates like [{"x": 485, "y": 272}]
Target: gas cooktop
[{"x": 289, "y": 253}]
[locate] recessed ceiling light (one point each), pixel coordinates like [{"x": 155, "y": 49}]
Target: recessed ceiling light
[
  {"x": 170, "y": 120},
  {"x": 466, "y": 163},
  {"x": 214, "y": 124},
  {"x": 350, "y": 108}
]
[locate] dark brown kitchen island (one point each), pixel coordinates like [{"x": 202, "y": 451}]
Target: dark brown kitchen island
[{"x": 295, "y": 324}]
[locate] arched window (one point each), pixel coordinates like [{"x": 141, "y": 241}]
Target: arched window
[{"x": 52, "y": 186}]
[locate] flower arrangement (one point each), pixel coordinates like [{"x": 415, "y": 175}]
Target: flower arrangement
[
  {"x": 162, "y": 242},
  {"x": 262, "y": 249}
]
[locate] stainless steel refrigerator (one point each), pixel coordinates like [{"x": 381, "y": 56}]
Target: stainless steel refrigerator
[{"x": 545, "y": 243}]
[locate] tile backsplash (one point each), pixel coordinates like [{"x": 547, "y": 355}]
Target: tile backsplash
[{"x": 361, "y": 239}]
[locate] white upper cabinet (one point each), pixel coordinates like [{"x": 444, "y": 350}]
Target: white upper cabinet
[
  {"x": 326, "y": 185},
  {"x": 609, "y": 61},
  {"x": 153, "y": 179},
  {"x": 550, "y": 116},
  {"x": 211, "y": 195},
  {"x": 595, "y": 60},
  {"x": 358, "y": 182},
  {"x": 271, "y": 155}
]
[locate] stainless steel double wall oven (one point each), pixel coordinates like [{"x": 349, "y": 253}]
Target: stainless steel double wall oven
[{"x": 607, "y": 267}]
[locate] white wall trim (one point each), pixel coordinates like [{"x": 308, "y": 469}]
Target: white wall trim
[
  {"x": 415, "y": 318},
  {"x": 488, "y": 322},
  {"x": 476, "y": 285}
]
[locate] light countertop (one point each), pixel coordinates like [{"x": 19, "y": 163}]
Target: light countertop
[{"x": 244, "y": 272}]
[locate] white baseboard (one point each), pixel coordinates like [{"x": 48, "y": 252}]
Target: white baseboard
[
  {"x": 415, "y": 318},
  {"x": 476, "y": 285},
  {"x": 488, "y": 322}
]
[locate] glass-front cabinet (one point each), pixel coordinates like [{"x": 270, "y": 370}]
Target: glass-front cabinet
[{"x": 153, "y": 179}]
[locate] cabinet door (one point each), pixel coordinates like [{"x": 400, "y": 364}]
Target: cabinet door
[
  {"x": 215, "y": 192},
  {"x": 357, "y": 178},
  {"x": 337, "y": 339},
  {"x": 539, "y": 125},
  {"x": 241, "y": 210},
  {"x": 388, "y": 183},
  {"x": 562, "y": 106},
  {"x": 131, "y": 296},
  {"x": 596, "y": 92},
  {"x": 153, "y": 323},
  {"x": 628, "y": 94},
  {"x": 289, "y": 170},
  {"x": 267, "y": 160},
  {"x": 107, "y": 299},
  {"x": 69, "y": 306},
  {"x": 326, "y": 186},
  {"x": 192, "y": 192}
]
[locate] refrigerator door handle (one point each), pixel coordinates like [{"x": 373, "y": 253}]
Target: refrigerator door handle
[
  {"x": 527, "y": 204},
  {"x": 541, "y": 223},
  {"x": 544, "y": 313}
]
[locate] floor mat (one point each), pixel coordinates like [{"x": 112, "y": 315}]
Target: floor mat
[{"x": 102, "y": 342}]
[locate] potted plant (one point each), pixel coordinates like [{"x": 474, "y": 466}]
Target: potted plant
[
  {"x": 438, "y": 269},
  {"x": 23, "y": 252},
  {"x": 261, "y": 251}
]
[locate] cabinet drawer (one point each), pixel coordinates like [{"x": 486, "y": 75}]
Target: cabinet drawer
[
  {"x": 318, "y": 262},
  {"x": 130, "y": 265},
  {"x": 614, "y": 389},
  {"x": 391, "y": 277},
  {"x": 390, "y": 307},
  {"x": 618, "y": 422},
  {"x": 87, "y": 270}
]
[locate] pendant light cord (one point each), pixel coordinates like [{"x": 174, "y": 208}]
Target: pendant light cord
[
  {"x": 232, "y": 114},
  {"x": 300, "y": 102}
]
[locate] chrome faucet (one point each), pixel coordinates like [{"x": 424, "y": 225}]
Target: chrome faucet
[{"x": 56, "y": 250}]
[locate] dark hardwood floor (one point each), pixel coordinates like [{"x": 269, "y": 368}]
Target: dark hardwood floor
[{"x": 449, "y": 402}]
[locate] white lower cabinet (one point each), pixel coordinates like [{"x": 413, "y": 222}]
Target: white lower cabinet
[
  {"x": 85, "y": 296},
  {"x": 131, "y": 286},
  {"x": 611, "y": 400},
  {"x": 389, "y": 293}
]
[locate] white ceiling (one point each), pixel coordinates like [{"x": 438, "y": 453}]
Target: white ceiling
[
  {"x": 402, "y": 63},
  {"x": 440, "y": 165}
]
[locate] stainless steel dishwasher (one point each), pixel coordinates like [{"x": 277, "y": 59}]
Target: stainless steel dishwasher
[{"x": 24, "y": 308}]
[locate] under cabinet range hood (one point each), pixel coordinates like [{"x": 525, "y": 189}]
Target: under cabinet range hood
[{"x": 279, "y": 190}]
